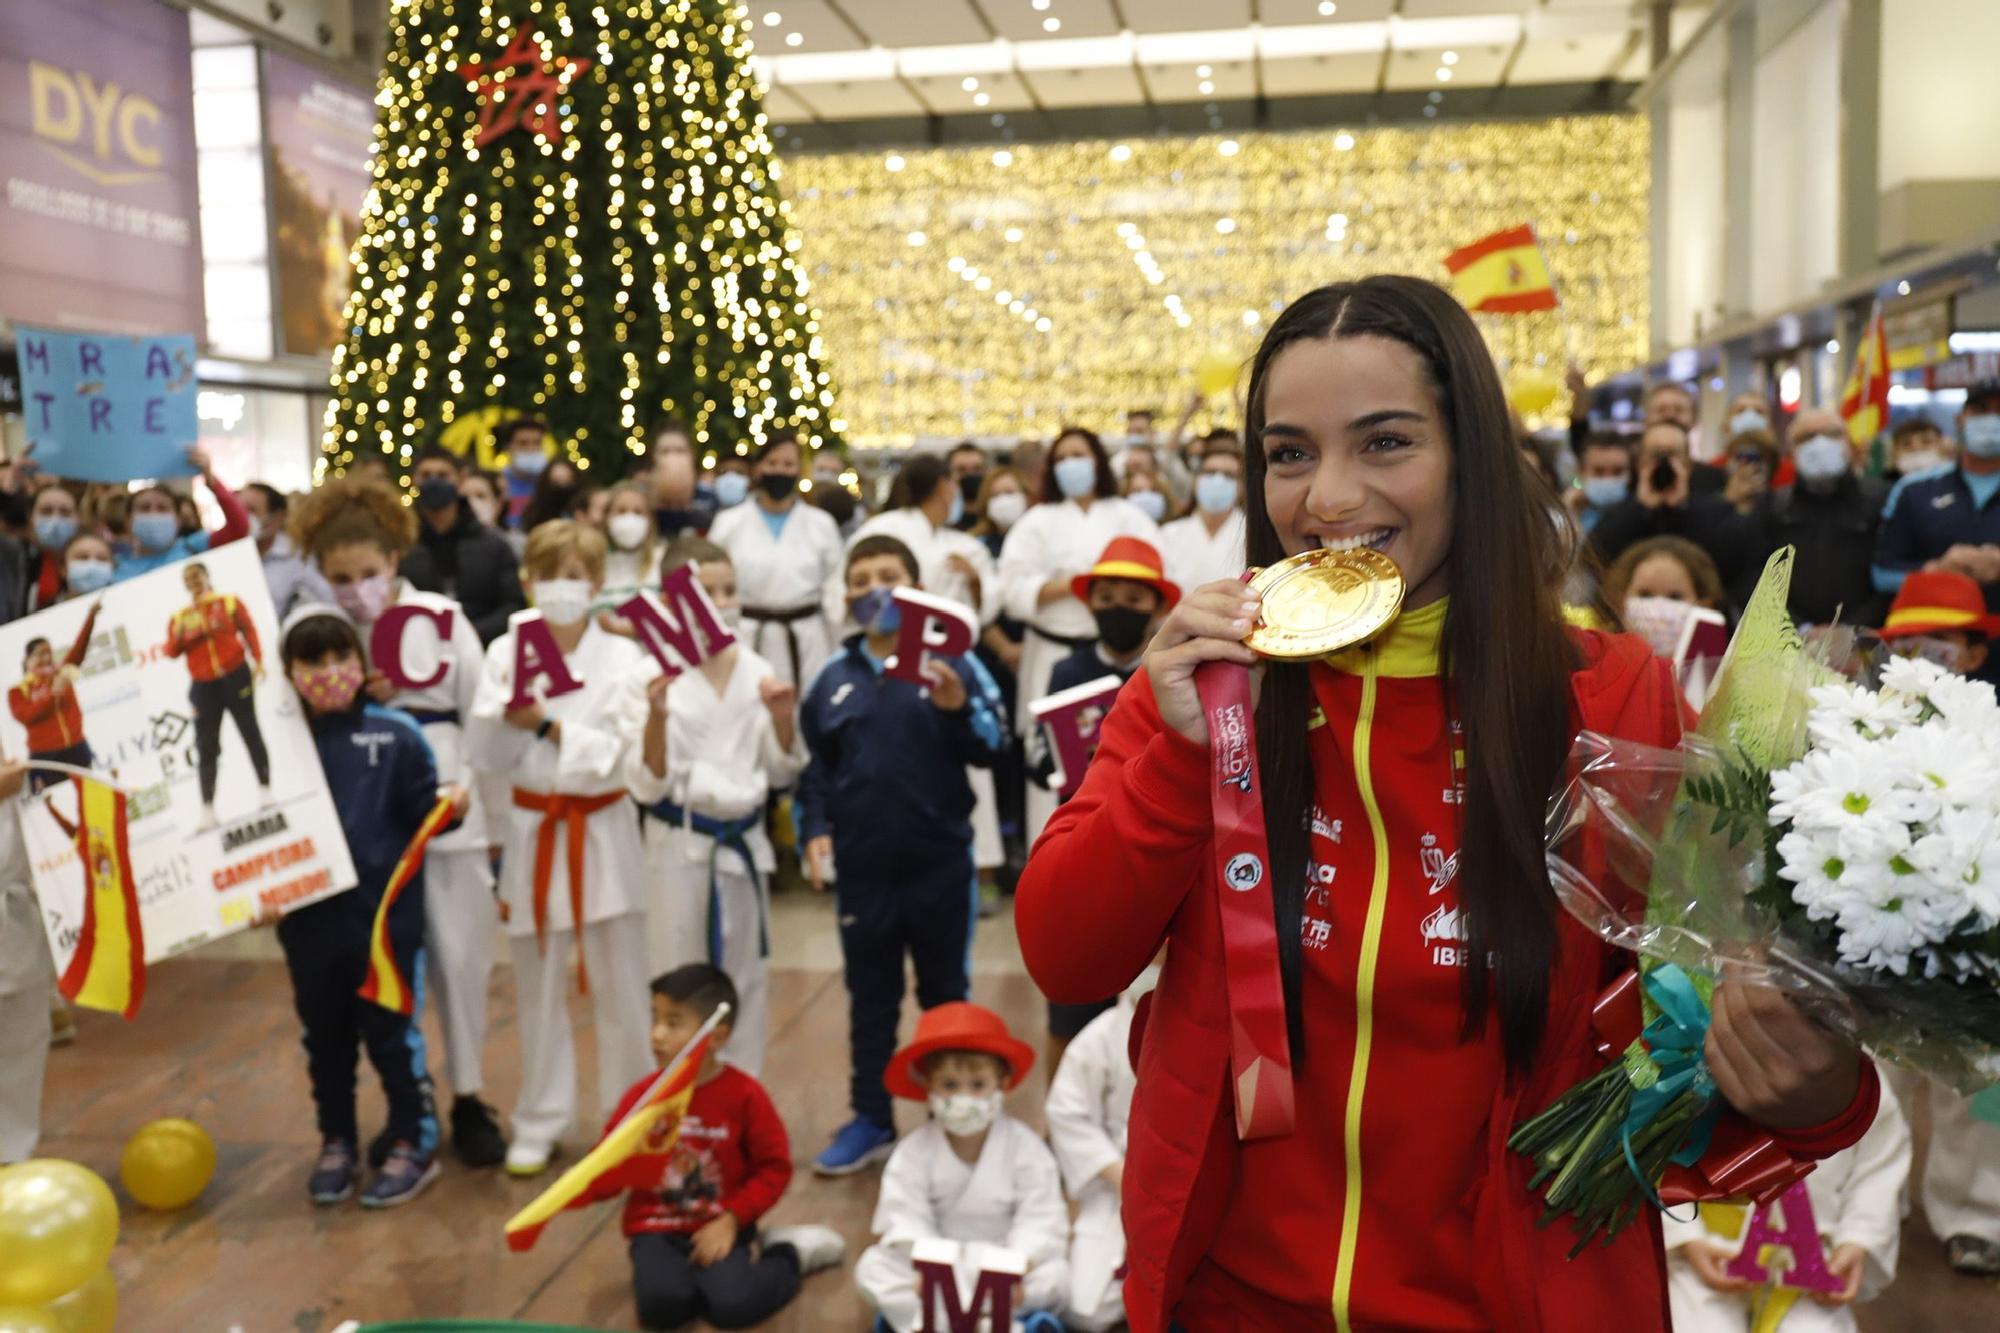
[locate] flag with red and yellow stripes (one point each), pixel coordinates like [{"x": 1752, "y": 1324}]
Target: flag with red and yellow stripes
[
  {"x": 108, "y": 969},
  {"x": 1864, "y": 403},
  {"x": 385, "y": 984},
  {"x": 1503, "y": 274},
  {"x": 651, "y": 1127}
]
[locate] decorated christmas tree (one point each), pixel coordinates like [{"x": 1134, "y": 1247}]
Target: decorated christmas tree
[{"x": 576, "y": 216}]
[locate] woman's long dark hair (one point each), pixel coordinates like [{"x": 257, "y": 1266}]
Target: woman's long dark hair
[{"x": 1506, "y": 658}]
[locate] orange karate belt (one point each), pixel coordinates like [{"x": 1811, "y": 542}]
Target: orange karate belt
[{"x": 571, "y": 814}]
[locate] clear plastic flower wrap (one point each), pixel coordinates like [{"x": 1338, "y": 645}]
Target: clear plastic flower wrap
[{"x": 1836, "y": 838}]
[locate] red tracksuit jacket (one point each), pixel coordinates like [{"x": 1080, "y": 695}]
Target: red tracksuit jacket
[
  {"x": 1227, "y": 1235},
  {"x": 212, "y": 634},
  {"x": 733, "y": 1156}
]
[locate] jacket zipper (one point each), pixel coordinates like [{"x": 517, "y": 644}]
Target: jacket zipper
[{"x": 1364, "y": 998}]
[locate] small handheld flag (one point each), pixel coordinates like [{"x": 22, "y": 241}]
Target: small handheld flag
[
  {"x": 385, "y": 984},
  {"x": 1864, "y": 403},
  {"x": 108, "y": 969},
  {"x": 1503, "y": 274},
  {"x": 652, "y": 1126}
]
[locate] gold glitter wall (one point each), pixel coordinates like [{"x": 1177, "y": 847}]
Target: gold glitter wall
[{"x": 969, "y": 291}]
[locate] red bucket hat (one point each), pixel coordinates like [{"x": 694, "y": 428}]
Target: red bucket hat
[
  {"x": 1128, "y": 558},
  {"x": 1939, "y": 602},
  {"x": 958, "y": 1026}
]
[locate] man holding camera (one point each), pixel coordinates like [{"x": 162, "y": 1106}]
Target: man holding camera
[{"x": 1665, "y": 504}]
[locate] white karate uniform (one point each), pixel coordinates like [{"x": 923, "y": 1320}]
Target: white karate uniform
[
  {"x": 460, "y": 918},
  {"x": 1194, "y": 556},
  {"x": 1089, "y": 1103},
  {"x": 934, "y": 548},
  {"x": 783, "y": 575},
  {"x": 601, "y": 753},
  {"x": 629, "y": 572},
  {"x": 1857, "y": 1198},
  {"x": 723, "y": 758},
  {"x": 27, "y": 974},
  {"x": 1961, "y": 1184},
  {"x": 1050, "y": 541},
  {"x": 1011, "y": 1197}
]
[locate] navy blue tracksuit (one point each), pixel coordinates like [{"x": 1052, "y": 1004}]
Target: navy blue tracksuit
[
  {"x": 887, "y": 781},
  {"x": 383, "y": 779}
]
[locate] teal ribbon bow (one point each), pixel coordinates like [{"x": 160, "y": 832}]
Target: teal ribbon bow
[{"x": 1674, "y": 1042}]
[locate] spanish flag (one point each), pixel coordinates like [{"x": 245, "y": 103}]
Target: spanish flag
[
  {"x": 1865, "y": 402},
  {"x": 1503, "y": 274},
  {"x": 385, "y": 985},
  {"x": 651, "y": 1127},
  {"x": 108, "y": 969}
]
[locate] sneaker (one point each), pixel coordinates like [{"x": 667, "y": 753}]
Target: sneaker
[
  {"x": 475, "y": 1133},
  {"x": 378, "y": 1150},
  {"x": 1973, "y": 1254},
  {"x": 858, "y": 1143},
  {"x": 818, "y": 1248},
  {"x": 332, "y": 1180},
  {"x": 528, "y": 1159},
  {"x": 407, "y": 1174}
]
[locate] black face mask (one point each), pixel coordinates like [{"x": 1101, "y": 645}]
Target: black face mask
[
  {"x": 968, "y": 487},
  {"x": 778, "y": 485},
  {"x": 1122, "y": 628},
  {"x": 436, "y": 493}
]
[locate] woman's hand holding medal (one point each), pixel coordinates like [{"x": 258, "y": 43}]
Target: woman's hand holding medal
[{"x": 1208, "y": 626}]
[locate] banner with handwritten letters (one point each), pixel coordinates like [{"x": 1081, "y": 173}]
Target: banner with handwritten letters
[
  {"x": 172, "y": 690},
  {"x": 100, "y": 407}
]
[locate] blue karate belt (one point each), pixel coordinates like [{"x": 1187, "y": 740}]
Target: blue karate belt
[
  {"x": 724, "y": 834},
  {"x": 1674, "y": 1040},
  {"x": 425, "y": 717}
]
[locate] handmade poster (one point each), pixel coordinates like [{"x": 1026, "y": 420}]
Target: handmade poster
[
  {"x": 169, "y": 686},
  {"x": 100, "y": 407}
]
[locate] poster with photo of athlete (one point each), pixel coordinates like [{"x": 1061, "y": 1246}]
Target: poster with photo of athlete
[{"x": 168, "y": 686}]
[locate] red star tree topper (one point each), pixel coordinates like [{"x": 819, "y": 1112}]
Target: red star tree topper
[{"x": 520, "y": 88}]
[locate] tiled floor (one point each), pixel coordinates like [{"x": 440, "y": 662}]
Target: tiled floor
[{"x": 218, "y": 1042}]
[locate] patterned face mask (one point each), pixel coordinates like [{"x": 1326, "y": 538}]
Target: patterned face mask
[{"x": 330, "y": 688}]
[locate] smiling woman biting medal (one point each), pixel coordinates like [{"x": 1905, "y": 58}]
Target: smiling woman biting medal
[{"x": 1367, "y": 971}]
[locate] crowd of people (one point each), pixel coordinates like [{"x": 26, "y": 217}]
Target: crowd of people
[{"x": 633, "y": 828}]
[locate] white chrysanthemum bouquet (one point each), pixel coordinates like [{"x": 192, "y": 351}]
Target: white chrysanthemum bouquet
[{"x": 1839, "y": 840}]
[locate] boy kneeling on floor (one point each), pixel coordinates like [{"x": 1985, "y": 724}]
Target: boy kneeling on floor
[{"x": 692, "y": 1210}]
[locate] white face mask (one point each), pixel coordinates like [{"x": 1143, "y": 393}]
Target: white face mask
[
  {"x": 562, "y": 601},
  {"x": 1006, "y": 509},
  {"x": 1657, "y": 620},
  {"x": 965, "y": 1113},
  {"x": 1921, "y": 460},
  {"x": 628, "y": 531},
  {"x": 1821, "y": 458},
  {"x": 485, "y": 511}
]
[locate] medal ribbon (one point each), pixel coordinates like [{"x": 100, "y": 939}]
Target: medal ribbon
[{"x": 1260, "y": 1054}]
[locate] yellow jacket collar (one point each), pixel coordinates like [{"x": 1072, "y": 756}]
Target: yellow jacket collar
[{"x": 1407, "y": 648}]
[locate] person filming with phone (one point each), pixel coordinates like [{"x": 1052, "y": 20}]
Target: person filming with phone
[{"x": 1662, "y": 505}]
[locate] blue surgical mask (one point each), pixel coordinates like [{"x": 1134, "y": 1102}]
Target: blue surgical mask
[
  {"x": 1150, "y": 503},
  {"x": 1982, "y": 435},
  {"x": 53, "y": 531},
  {"x": 1603, "y": 492},
  {"x": 1824, "y": 457},
  {"x": 155, "y": 532},
  {"x": 732, "y": 489},
  {"x": 877, "y": 611},
  {"x": 1076, "y": 477},
  {"x": 1748, "y": 419},
  {"x": 1215, "y": 492},
  {"x": 88, "y": 574},
  {"x": 957, "y": 509}
]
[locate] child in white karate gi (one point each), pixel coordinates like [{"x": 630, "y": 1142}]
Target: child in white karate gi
[
  {"x": 972, "y": 1174},
  {"x": 1857, "y": 1200},
  {"x": 1089, "y": 1102},
  {"x": 731, "y": 737},
  {"x": 26, "y": 973},
  {"x": 576, "y": 761}
]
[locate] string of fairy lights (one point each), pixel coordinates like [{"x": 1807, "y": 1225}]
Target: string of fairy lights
[{"x": 575, "y": 213}]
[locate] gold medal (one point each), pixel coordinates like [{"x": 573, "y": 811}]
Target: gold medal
[{"x": 1319, "y": 602}]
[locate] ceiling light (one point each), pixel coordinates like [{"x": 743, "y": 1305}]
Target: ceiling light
[
  {"x": 1012, "y": 234},
  {"x": 970, "y": 85},
  {"x": 980, "y": 99},
  {"x": 918, "y": 238},
  {"x": 894, "y": 162},
  {"x": 1327, "y": 8},
  {"x": 1227, "y": 147},
  {"x": 1225, "y": 225},
  {"x": 772, "y": 19},
  {"x": 1040, "y": 5},
  {"x": 1203, "y": 71},
  {"x": 794, "y": 39},
  {"x": 1121, "y": 152},
  {"x": 1052, "y": 24},
  {"x": 1833, "y": 345},
  {"x": 1003, "y": 158},
  {"x": 1444, "y": 74},
  {"x": 1344, "y": 142},
  {"x": 1250, "y": 318},
  {"x": 1449, "y": 57},
  {"x": 1205, "y": 87}
]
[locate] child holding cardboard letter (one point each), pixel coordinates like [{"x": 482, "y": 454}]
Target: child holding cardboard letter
[{"x": 885, "y": 802}]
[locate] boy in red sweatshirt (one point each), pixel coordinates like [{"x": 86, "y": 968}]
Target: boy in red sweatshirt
[{"x": 691, "y": 1214}]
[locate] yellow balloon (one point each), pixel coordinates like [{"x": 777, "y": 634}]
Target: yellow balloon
[
  {"x": 1530, "y": 389},
  {"x": 1216, "y": 372},
  {"x": 91, "y": 1308},
  {"x": 58, "y": 1223},
  {"x": 167, "y": 1164},
  {"x": 22, "y": 1319}
]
